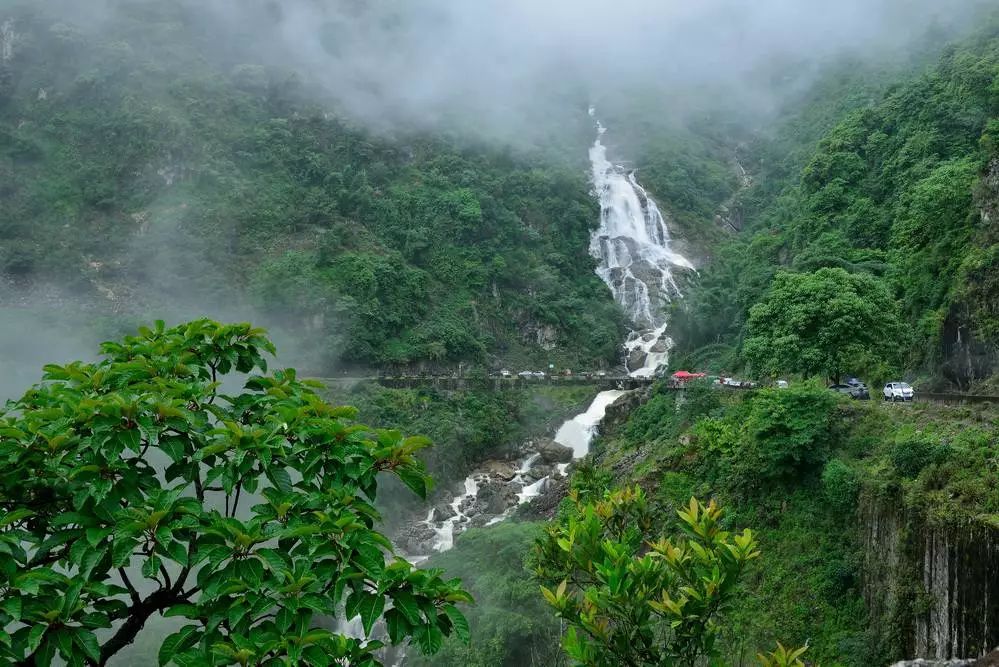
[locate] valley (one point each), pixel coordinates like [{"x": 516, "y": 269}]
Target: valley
[{"x": 456, "y": 437}]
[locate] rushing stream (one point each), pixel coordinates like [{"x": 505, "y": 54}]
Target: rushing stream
[{"x": 632, "y": 245}]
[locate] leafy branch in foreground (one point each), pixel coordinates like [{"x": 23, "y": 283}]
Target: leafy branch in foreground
[
  {"x": 134, "y": 486},
  {"x": 632, "y": 600}
]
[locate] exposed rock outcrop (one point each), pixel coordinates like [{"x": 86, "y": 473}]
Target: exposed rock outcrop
[
  {"x": 503, "y": 470},
  {"x": 938, "y": 586},
  {"x": 417, "y": 538},
  {"x": 495, "y": 497},
  {"x": 552, "y": 452},
  {"x": 990, "y": 660}
]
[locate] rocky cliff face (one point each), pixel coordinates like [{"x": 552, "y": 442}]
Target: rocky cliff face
[
  {"x": 932, "y": 591},
  {"x": 969, "y": 349}
]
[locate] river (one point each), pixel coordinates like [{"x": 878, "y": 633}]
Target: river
[{"x": 635, "y": 260}]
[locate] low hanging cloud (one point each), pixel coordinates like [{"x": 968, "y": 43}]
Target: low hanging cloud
[
  {"x": 522, "y": 67},
  {"x": 506, "y": 64}
]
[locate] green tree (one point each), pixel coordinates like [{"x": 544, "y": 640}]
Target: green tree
[
  {"x": 828, "y": 322},
  {"x": 634, "y": 598},
  {"x": 134, "y": 486}
]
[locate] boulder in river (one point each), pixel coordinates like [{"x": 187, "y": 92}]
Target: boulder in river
[
  {"x": 495, "y": 497},
  {"x": 443, "y": 511},
  {"x": 501, "y": 469},
  {"x": 637, "y": 358},
  {"x": 662, "y": 345},
  {"x": 539, "y": 471},
  {"x": 553, "y": 452},
  {"x": 418, "y": 538}
]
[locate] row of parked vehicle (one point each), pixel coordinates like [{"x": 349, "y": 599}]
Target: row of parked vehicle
[
  {"x": 892, "y": 391},
  {"x": 527, "y": 375}
]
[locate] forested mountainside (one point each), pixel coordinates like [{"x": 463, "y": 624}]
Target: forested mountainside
[
  {"x": 902, "y": 187},
  {"x": 875, "y": 525},
  {"x": 148, "y": 176},
  {"x": 155, "y": 163},
  {"x": 143, "y": 171}
]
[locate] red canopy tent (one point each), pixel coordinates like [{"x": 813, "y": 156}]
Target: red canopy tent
[{"x": 686, "y": 375}]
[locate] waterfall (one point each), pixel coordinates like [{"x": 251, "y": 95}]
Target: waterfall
[
  {"x": 579, "y": 431},
  {"x": 632, "y": 245}
]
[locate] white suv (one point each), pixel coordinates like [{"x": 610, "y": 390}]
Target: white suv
[{"x": 898, "y": 391}]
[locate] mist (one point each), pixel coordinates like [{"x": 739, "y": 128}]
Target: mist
[
  {"x": 515, "y": 68},
  {"x": 519, "y": 69},
  {"x": 516, "y": 72}
]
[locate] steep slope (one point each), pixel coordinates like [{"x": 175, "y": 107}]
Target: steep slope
[
  {"x": 143, "y": 171},
  {"x": 890, "y": 190}
]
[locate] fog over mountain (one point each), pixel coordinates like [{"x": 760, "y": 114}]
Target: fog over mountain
[
  {"x": 504, "y": 62},
  {"x": 512, "y": 71},
  {"x": 513, "y": 67}
]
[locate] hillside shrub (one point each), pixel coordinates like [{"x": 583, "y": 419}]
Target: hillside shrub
[
  {"x": 841, "y": 484},
  {"x": 911, "y": 453}
]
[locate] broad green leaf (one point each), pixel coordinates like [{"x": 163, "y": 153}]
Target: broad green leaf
[
  {"x": 280, "y": 478},
  {"x": 458, "y": 621},
  {"x": 370, "y": 608},
  {"x": 429, "y": 638},
  {"x": 405, "y": 603}
]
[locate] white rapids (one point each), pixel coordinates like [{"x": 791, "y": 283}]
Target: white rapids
[{"x": 579, "y": 431}]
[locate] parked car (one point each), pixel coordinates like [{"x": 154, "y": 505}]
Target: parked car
[
  {"x": 505, "y": 373},
  {"x": 856, "y": 392},
  {"x": 525, "y": 374},
  {"x": 898, "y": 391},
  {"x": 782, "y": 384},
  {"x": 538, "y": 374}
]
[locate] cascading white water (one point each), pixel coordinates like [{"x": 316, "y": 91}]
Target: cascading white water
[
  {"x": 578, "y": 432},
  {"x": 636, "y": 260},
  {"x": 445, "y": 530},
  {"x": 637, "y": 263}
]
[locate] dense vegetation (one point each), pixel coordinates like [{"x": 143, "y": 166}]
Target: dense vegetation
[
  {"x": 512, "y": 624},
  {"x": 134, "y": 487},
  {"x": 142, "y": 170},
  {"x": 894, "y": 191},
  {"x": 633, "y": 595},
  {"x": 466, "y": 426},
  {"x": 802, "y": 466},
  {"x": 145, "y": 168}
]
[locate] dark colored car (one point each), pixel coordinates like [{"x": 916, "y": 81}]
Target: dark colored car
[{"x": 855, "y": 391}]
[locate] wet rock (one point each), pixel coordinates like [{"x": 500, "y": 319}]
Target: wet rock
[
  {"x": 637, "y": 358},
  {"x": 539, "y": 471},
  {"x": 443, "y": 511},
  {"x": 662, "y": 345},
  {"x": 500, "y": 469},
  {"x": 496, "y": 497},
  {"x": 417, "y": 538},
  {"x": 467, "y": 505},
  {"x": 553, "y": 452},
  {"x": 618, "y": 411},
  {"x": 547, "y": 503}
]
